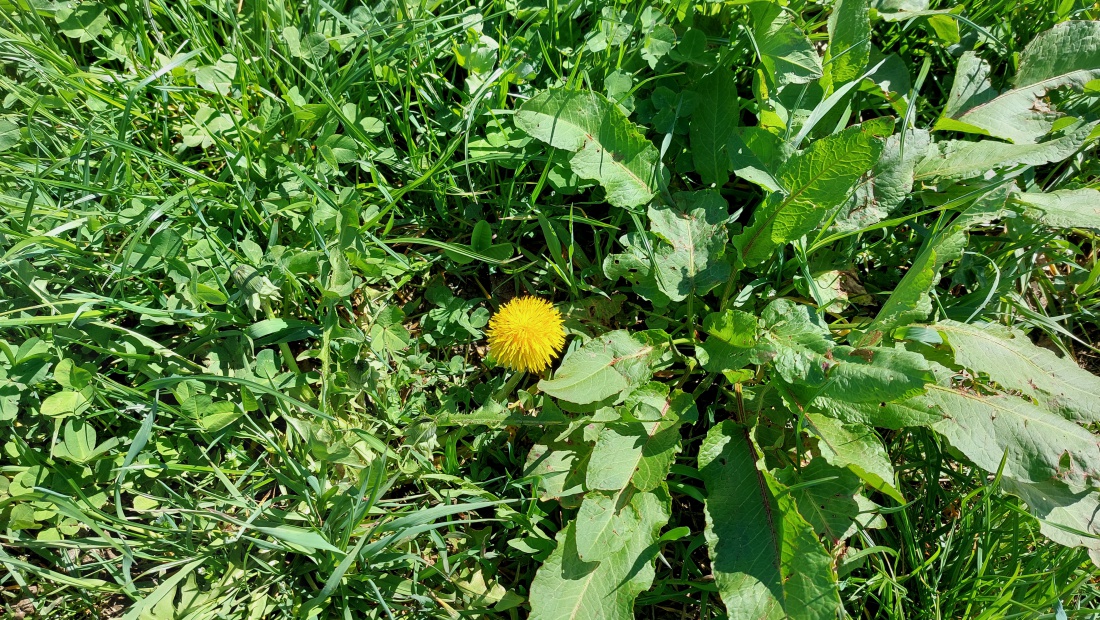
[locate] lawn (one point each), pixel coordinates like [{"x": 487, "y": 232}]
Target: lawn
[{"x": 601, "y": 309}]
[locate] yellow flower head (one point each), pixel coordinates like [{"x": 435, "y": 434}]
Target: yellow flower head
[{"x": 525, "y": 334}]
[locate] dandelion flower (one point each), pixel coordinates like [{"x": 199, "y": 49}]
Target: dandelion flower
[{"x": 525, "y": 334}]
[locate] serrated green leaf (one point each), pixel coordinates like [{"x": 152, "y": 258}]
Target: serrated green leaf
[
  {"x": 559, "y": 465},
  {"x": 1065, "y": 516},
  {"x": 568, "y": 588},
  {"x": 1008, "y": 357},
  {"x": 794, "y": 342},
  {"x": 874, "y": 374},
  {"x": 609, "y": 148},
  {"x": 606, "y": 520},
  {"x": 731, "y": 338},
  {"x": 603, "y": 367},
  {"x": 638, "y": 453},
  {"x": 857, "y": 447},
  {"x": 1066, "y": 56},
  {"x": 766, "y": 560},
  {"x": 712, "y": 124},
  {"x": 1064, "y": 208},
  {"x": 687, "y": 250},
  {"x": 786, "y": 53},
  {"x": 964, "y": 159},
  {"x": 887, "y": 186},
  {"x": 1040, "y": 445},
  {"x": 815, "y": 181}
]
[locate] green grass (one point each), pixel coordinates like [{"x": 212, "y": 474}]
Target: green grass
[{"x": 240, "y": 234}]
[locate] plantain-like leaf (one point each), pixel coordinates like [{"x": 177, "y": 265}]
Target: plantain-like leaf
[
  {"x": 966, "y": 159},
  {"x": 767, "y": 562},
  {"x": 605, "y": 367},
  {"x": 608, "y": 147},
  {"x": 569, "y": 588},
  {"x": 1008, "y": 357},
  {"x": 1063, "y": 208},
  {"x": 639, "y": 453},
  {"x": 1066, "y": 56},
  {"x": 1068, "y": 517},
  {"x": 814, "y": 182},
  {"x": 1036, "y": 445}
]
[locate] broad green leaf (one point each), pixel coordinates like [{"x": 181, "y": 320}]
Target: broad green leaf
[
  {"x": 1064, "y": 208},
  {"x": 910, "y": 412},
  {"x": 815, "y": 181},
  {"x": 849, "y": 42},
  {"x": 888, "y": 184},
  {"x": 1065, "y": 516},
  {"x": 1008, "y": 357},
  {"x": 63, "y": 404},
  {"x": 794, "y": 342},
  {"x": 857, "y": 447},
  {"x": 658, "y": 43},
  {"x": 766, "y": 560},
  {"x": 80, "y": 441},
  {"x": 1040, "y": 445},
  {"x": 755, "y": 154},
  {"x": 340, "y": 148},
  {"x": 218, "y": 78},
  {"x": 559, "y": 465},
  {"x": 568, "y": 588},
  {"x": 1066, "y": 56},
  {"x": 874, "y": 374},
  {"x": 606, "y": 520},
  {"x": 964, "y": 159},
  {"x": 731, "y": 337},
  {"x": 712, "y": 124},
  {"x": 639, "y": 453},
  {"x": 85, "y": 22},
  {"x": 686, "y": 246},
  {"x": 603, "y": 367},
  {"x": 388, "y": 335},
  {"x": 220, "y": 416},
  {"x": 9, "y": 134},
  {"x": 827, "y": 496},
  {"x": 586, "y": 376},
  {"x": 71, "y": 376},
  {"x": 609, "y": 148},
  {"x": 786, "y": 53}
]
